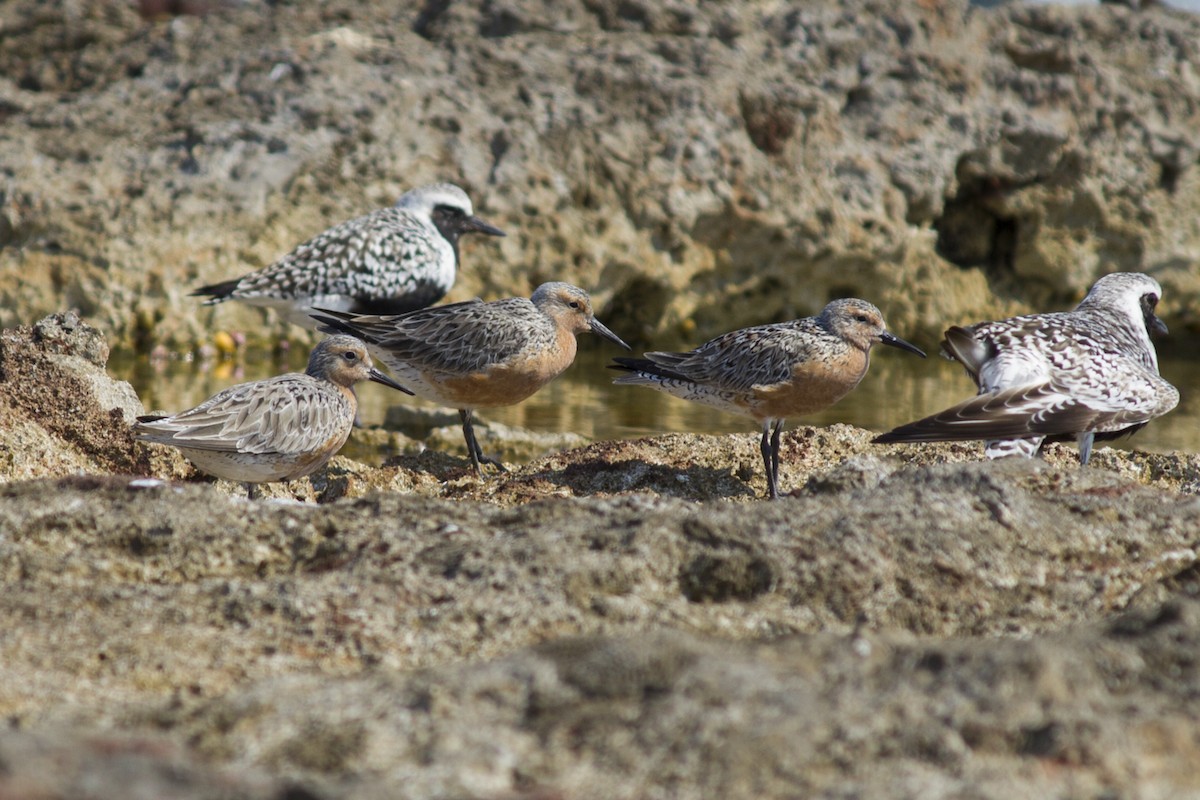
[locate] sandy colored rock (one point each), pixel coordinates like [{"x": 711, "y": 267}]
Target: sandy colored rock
[
  {"x": 619, "y": 619},
  {"x": 668, "y": 714},
  {"x": 928, "y": 617},
  {"x": 697, "y": 169},
  {"x": 63, "y": 414}
]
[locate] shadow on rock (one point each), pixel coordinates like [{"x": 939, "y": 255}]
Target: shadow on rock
[{"x": 589, "y": 477}]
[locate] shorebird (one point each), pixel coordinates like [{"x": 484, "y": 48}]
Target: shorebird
[
  {"x": 1086, "y": 374},
  {"x": 277, "y": 429},
  {"x": 478, "y": 355},
  {"x": 772, "y": 372},
  {"x": 390, "y": 261}
]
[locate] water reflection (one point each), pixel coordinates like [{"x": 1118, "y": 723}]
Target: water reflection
[{"x": 897, "y": 389}]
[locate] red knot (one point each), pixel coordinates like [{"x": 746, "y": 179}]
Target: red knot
[
  {"x": 479, "y": 355},
  {"x": 772, "y": 372},
  {"x": 1086, "y": 374},
  {"x": 390, "y": 261},
  {"x": 277, "y": 429}
]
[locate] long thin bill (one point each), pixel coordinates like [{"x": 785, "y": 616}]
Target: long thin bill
[
  {"x": 600, "y": 329},
  {"x": 378, "y": 377},
  {"x": 479, "y": 226},
  {"x": 895, "y": 341}
]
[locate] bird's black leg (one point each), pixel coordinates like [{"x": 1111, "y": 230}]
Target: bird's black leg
[
  {"x": 765, "y": 448},
  {"x": 251, "y": 491},
  {"x": 775, "y": 455},
  {"x": 469, "y": 434},
  {"x": 473, "y": 448}
]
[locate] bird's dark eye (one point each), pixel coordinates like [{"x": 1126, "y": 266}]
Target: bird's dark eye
[
  {"x": 1150, "y": 300},
  {"x": 574, "y": 304},
  {"x": 861, "y": 318},
  {"x": 448, "y": 211},
  {"x": 350, "y": 355}
]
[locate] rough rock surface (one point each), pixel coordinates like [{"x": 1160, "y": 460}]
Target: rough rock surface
[
  {"x": 618, "y": 620},
  {"x": 62, "y": 413},
  {"x": 614, "y": 619},
  {"x": 699, "y": 166},
  {"x": 947, "y": 627}
]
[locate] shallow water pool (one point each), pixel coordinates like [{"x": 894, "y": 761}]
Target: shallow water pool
[{"x": 898, "y": 388}]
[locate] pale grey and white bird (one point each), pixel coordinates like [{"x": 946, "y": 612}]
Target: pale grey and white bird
[
  {"x": 389, "y": 261},
  {"x": 1087, "y": 374},
  {"x": 772, "y": 372},
  {"x": 277, "y": 429},
  {"x": 479, "y": 355}
]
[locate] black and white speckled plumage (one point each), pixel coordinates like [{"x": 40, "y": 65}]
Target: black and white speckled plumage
[
  {"x": 1087, "y": 373},
  {"x": 390, "y": 261}
]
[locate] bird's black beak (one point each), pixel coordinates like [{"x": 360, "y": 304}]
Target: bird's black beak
[
  {"x": 601, "y": 329},
  {"x": 378, "y": 377},
  {"x": 476, "y": 225},
  {"x": 1156, "y": 326},
  {"x": 895, "y": 341}
]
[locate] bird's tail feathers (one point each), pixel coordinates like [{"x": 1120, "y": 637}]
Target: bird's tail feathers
[
  {"x": 216, "y": 292},
  {"x": 960, "y": 344},
  {"x": 335, "y": 322},
  {"x": 643, "y": 370},
  {"x": 1009, "y": 414}
]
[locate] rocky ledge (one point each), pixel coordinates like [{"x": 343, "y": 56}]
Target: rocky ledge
[{"x": 619, "y": 619}]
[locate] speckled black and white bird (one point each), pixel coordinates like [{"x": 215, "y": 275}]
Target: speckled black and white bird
[
  {"x": 390, "y": 261},
  {"x": 1086, "y": 374}
]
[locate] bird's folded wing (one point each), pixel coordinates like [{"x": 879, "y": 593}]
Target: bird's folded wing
[
  {"x": 288, "y": 419},
  {"x": 1043, "y": 409},
  {"x": 458, "y": 338}
]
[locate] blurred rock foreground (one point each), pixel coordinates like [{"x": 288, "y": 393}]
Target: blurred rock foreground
[
  {"x": 614, "y": 619},
  {"x": 700, "y": 166},
  {"x": 618, "y": 620}
]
